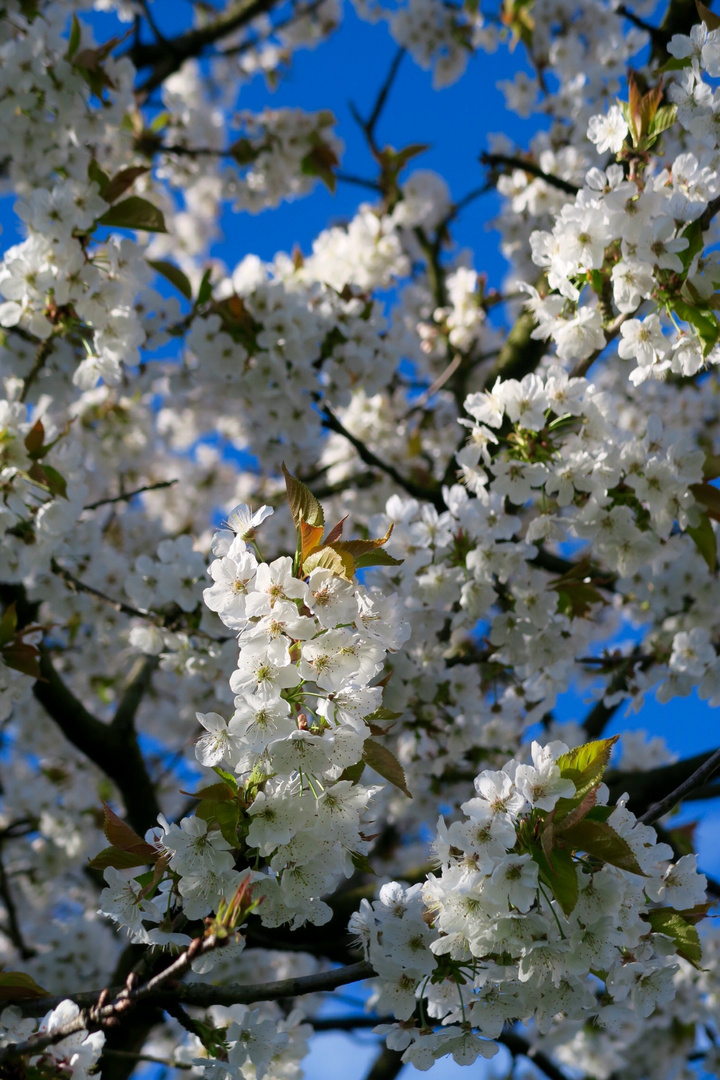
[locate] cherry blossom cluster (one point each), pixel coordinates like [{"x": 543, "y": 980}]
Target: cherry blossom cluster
[
  {"x": 543, "y": 890},
  {"x": 542, "y": 527},
  {"x": 76, "y": 1055}
]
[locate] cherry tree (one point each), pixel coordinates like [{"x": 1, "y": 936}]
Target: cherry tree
[{"x": 276, "y": 725}]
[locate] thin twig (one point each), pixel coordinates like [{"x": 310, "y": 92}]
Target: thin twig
[
  {"x": 41, "y": 356},
  {"x": 368, "y": 126},
  {"x": 126, "y": 495},
  {"x": 698, "y": 779},
  {"x": 494, "y": 160},
  {"x": 358, "y": 181},
  {"x": 437, "y": 385},
  {"x": 380, "y": 102},
  {"x": 79, "y": 586},
  {"x": 611, "y": 332},
  {"x": 330, "y": 421}
]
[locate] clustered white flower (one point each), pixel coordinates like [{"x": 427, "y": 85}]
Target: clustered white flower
[
  {"x": 569, "y": 543},
  {"x": 515, "y": 950}
]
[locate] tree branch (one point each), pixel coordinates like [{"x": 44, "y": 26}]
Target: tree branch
[
  {"x": 130, "y": 494},
  {"x": 203, "y": 995},
  {"x": 368, "y": 126},
  {"x": 387, "y": 1065},
  {"x": 331, "y": 422},
  {"x": 117, "y": 753},
  {"x": 495, "y": 160},
  {"x": 645, "y": 789},
  {"x": 138, "y": 685},
  {"x": 167, "y": 57},
  {"x": 76, "y": 586},
  {"x": 518, "y": 1046},
  {"x": 696, "y": 780},
  {"x": 14, "y": 931}
]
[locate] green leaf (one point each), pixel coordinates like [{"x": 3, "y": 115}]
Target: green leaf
[
  {"x": 134, "y": 213},
  {"x": 362, "y": 863},
  {"x": 384, "y": 762},
  {"x": 353, "y": 772},
  {"x": 560, "y": 877},
  {"x": 664, "y": 118},
  {"x": 219, "y": 792},
  {"x": 35, "y": 438},
  {"x": 122, "y": 181},
  {"x": 205, "y": 289},
  {"x": 600, "y": 840},
  {"x": 22, "y": 657},
  {"x": 704, "y": 538},
  {"x": 671, "y": 923},
  {"x": 327, "y": 558},
  {"x": 585, "y": 766},
  {"x": 303, "y": 504},
  {"x": 711, "y": 20},
  {"x": 702, "y": 319},
  {"x": 228, "y": 777},
  {"x": 159, "y": 122},
  {"x": 675, "y": 63},
  {"x": 382, "y": 714},
  {"x": 320, "y": 161},
  {"x": 694, "y": 235},
  {"x": 97, "y": 176},
  {"x": 577, "y": 598},
  {"x": 18, "y": 984},
  {"x": 74, "y": 39},
  {"x": 119, "y": 858},
  {"x": 709, "y": 497},
  {"x": 119, "y": 833},
  {"x": 8, "y": 624},
  {"x": 358, "y": 549},
  {"x": 174, "y": 275},
  {"x": 56, "y": 482},
  {"x": 226, "y": 815}
]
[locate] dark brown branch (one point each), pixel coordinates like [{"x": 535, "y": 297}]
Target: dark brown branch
[
  {"x": 520, "y": 354},
  {"x": 14, "y": 931},
  {"x": 709, "y": 213},
  {"x": 203, "y": 995},
  {"x": 387, "y": 1065},
  {"x": 348, "y": 1023},
  {"x": 79, "y": 586},
  {"x": 44, "y": 350},
  {"x": 659, "y": 38},
  {"x": 358, "y": 181},
  {"x": 518, "y": 1046},
  {"x": 381, "y": 100},
  {"x": 116, "y": 753},
  {"x": 164, "y": 58},
  {"x": 493, "y": 161},
  {"x": 130, "y": 494},
  {"x": 611, "y": 332},
  {"x": 645, "y": 789},
  {"x": 138, "y": 685},
  {"x": 696, "y": 780},
  {"x": 418, "y": 491}
]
